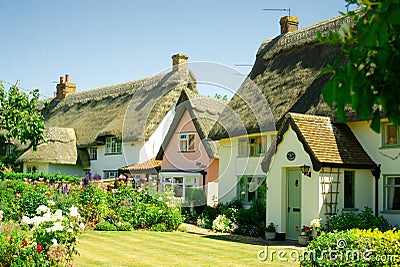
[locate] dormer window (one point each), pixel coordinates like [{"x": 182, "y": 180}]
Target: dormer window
[
  {"x": 187, "y": 142},
  {"x": 113, "y": 145},
  {"x": 390, "y": 135}
]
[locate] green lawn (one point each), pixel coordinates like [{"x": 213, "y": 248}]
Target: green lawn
[{"x": 146, "y": 248}]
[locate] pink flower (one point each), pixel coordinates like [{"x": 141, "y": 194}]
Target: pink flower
[
  {"x": 82, "y": 226},
  {"x": 36, "y": 182},
  {"x": 17, "y": 195},
  {"x": 48, "y": 193},
  {"x": 47, "y": 180}
]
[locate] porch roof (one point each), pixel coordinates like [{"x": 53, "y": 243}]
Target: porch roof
[
  {"x": 328, "y": 144},
  {"x": 149, "y": 165}
]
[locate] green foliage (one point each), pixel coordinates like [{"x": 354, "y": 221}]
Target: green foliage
[
  {"x": 105, "y": 226},
  {"x": 363, "y": 220},
  {"x": 367, "y": 76},
  {"x": 354, "y": 248},
  {"x": 51, "y": 178},
  {"x": 222, "y": 224},
  {"x": 19, "y": 117},
  {"x": 92, "y": 202}
]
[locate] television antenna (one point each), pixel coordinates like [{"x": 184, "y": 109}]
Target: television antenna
[{"x": 277, "y": 9}]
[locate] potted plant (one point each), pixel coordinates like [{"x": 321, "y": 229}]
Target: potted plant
[
  {"x": 316, "y": 227},
  {"x": 270, "y": 231},
  {"x": 304, "y": 236}
]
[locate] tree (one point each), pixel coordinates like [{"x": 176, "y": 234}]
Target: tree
[
  {"x": 367, "y": 76},
  {"x": 220, "y": 97},
  {"x": 20, "y": 119}
]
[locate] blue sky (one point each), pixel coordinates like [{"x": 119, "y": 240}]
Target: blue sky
[{"x": 102, "y": 43}]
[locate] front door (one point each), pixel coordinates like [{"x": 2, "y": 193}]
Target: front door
[{"x": 293, "y": 203}]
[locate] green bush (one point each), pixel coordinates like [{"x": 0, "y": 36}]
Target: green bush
[
  {"x": 124, "y": 226},
  {"x": 353, "y": 248},
  {"x": 222, "y": 224},
  {"x": 363, "y": 220},
  {"x": 92, "y": 202},
  {"x": 52, "y": 178},
  {"x": 105, "y": 226}
]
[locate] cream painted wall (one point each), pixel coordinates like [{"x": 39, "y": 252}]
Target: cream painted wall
[
  {"x": 41, "y": 167},
  {"x": 66, "y": 169},
  {"x": 232, "y": 167},
  {"x": 277, "y": 187},
  {"x": 389, "y": 158}
]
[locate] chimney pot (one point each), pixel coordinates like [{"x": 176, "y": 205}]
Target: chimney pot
[
  {"x": 289, "y": 24},
  {"x": 66, "y": 78},
  {"x": 61, "y": 79},
  {"x": 179, "y": 61},
  {"x": 65, "y": 88}
]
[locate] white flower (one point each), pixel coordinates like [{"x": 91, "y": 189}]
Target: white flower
[
  {"x": 42, "y": 209},
  {"x": 55, "y": 243},
  {"x": 1, "y": 212},
  {"x": 57, "y": 216},
  {"x": 51, "y": 203},
  {"x": 82, "y": 226},
  {"x": 48, "y": 230},
  {"x": 316, "y": 223},
  {"x": 57, "y": 227},
  {"x": 70, "y": 230},
  {"x": 26, "y": 220},
  {"x": 73, "y": 212},
  {"x": 344, "y": 32}
]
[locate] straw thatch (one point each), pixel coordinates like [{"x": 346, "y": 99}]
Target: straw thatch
[
  {"x": 130, "y": 111},
  {"x": 204, "y": 112},
  {"x": 328, "y": 144},
  {"x": 286, "y": 72},
  {"x": 60, "y": 148}
]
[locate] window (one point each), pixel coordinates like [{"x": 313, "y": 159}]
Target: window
[
  {"x": 392, "y": 193},
  {"x": 93, "y": 153},
  {"x": 248, "y": 189},
  {"x": 110, "y": 174},
  {"x": 181, "y": 186},
  {"x": 113, "y": 145},
  {"x": 390, "y": 135},
  {"x": 187, "y": 142},
  {"x": 253, "y": 146},
  {"x": 31, "y": 169},
  {"x": 349, "y": 194}
]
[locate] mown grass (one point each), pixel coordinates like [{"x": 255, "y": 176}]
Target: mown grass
[{"x": 146, "y": 248}]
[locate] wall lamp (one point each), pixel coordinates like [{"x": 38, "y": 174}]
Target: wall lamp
[{"x": 305, "y": 169}]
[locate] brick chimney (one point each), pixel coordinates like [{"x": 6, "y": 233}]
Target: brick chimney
[
  {"x": 179, "y": 61},
  {"x": 289, "y": 24},
  {"x": 65, "y": 88}
]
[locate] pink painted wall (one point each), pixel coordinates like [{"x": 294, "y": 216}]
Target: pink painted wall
[{"x": 173, "y": 159}]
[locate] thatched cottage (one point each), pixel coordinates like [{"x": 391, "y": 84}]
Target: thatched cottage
[
  {"x": 314, "y": 166},
  {"x": 103, "y": 129}
]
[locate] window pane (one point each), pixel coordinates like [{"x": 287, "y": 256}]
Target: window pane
[
  {"x": 391, "y": 135},
  {"x": 178, "y": 180},
  {"x": 178, "y": 190},
  {"x": 393, "y": 193},
  {"x": 183, "y": 145},
  {"x": 242, "y": 147},
  {"x": 349, "y": 189},
  {"x": 262, "y": 145},
  {"x": 191, "y": 142}
]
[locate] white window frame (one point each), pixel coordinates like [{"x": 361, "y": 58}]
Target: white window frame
[
  {"x": 92, "y": 153},
  {"x": 387, "y": 194},
  {"x": 110, "y": 174},
  {"x": 253, "y": 146},
  {"x": 31, "y": 169},
  {"x": 113, "y": 145},
  {"x": 184, "y": 142},
  {"x": 178, "y": 186}
]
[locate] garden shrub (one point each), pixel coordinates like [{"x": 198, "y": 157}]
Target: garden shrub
[
  {"x": 105, "y": 226},
  {"x": 354, "y": 247},
  {"x": 51, "y": 178},
  {"x": 222, "y": 224},
  {"x": 92, "y": 202},
  {"x": 363, "y": 220}
]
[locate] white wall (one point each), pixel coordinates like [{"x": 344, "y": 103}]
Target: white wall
[
  {"x": 389, "y": 158},
  {"x": 232, "y": 167},
  {"x": 66, "y": 169},
  {"x": 41, "y": 167}
]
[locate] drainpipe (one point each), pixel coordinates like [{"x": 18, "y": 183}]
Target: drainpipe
[{"x": 376, "y": 172}]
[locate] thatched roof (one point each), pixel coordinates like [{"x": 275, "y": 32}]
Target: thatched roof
[
  {"x": 286, "y": 72},
  {"x": 328, "y": 144},
  {"x": 60, "y": 148},
  {"x": 130, "y": 111},
  {"x": 204, "y": 112}
]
